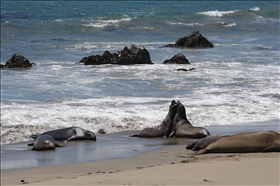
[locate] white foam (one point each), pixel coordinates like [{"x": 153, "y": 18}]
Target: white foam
[
  {"x": 216, "y": 13},
  {"x": 255, "y": 9},
  {"x": 230, "y": 25},
  {"x": 58, "y": 20},
  {"x": 216, "y": 93},
  {"x": 104, "y": 23},
  {"x": 186, "y": 24}
]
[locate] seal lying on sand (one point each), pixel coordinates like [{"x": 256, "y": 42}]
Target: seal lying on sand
[
  {"x": 183, "y": 128},
  {"x": 162, "y": 130},
  {"x": 44, "y": 142},
  {"x": 203, "y": 143},
  {"x": 244, "y": 143},
  {"x": 70, "y": 133}
]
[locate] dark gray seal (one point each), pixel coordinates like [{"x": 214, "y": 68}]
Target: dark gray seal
[
  {"x": 44, "y": 142},
  {"x": 245, "y": 143},
  {"x": 203, "y": 143},
  {"x": 70, "y": 133},
  {"x": 162, "y": 130},
  {"x": 183, "y": 128}
]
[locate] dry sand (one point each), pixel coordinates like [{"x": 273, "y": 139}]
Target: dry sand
[{"x": 171, "y": 165}]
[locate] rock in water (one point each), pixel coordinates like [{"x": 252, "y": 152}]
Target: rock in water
[
  {"x": 17, "y": 61},
  {"x": 177, "y": 59},
  {"x": 127, "y": 56},
  {"x": 193, "y": 40}
]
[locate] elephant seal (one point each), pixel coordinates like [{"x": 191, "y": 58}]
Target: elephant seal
[
  {"x": 191, "y": 144},
  {"x": 44, "y": 142},
  {"x": 203, "y": 143},
  {"x": 244, "y": 143},
  {"x": 183, "y": 128},
  {"x": 70, "y": 133},
  {"x": 162, "y": 130}
]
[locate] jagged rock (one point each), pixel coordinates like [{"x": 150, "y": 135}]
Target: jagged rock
[
  {"x": 193, "y": 40},
  {"x": 127, "y": 56},
  {"x": 17, "y": 61},
  {"x": 177, "y": 59}
]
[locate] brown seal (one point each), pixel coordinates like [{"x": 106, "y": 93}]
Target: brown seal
[
  {"x": 162, "y": 130},
  {"x": 44, "y": 142},
  {"x": 245, "y": 143},
  {"x": 183, "y": 128},
  {"x": 203, "y": 143}
]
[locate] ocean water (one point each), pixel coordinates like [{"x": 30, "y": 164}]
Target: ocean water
[{"x": 237, "y": 81}]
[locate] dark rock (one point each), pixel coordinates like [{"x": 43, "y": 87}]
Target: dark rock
[
  {"x": 177, "y": 59},
  {"x": 101, "y": 131},
  {"x": 191, "y": 69},
  {"x": 2, "y": 66},
  {"x": 193, "y": 40},
  {"x": 17, "y": 61},
  {"x": 127, "y": 56},
  {"x": 182, "y": 69}
]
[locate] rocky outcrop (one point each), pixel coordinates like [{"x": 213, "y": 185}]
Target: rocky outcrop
[
  {"x": 127, "y": 56},
  {"x": 17, "y": 61},
  {"x": 177, "y": 59},
  {"x": 193, "y": 40}
]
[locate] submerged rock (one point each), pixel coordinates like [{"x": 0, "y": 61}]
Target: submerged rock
[
  {"x": 177, "y": 59},
  {"x": 193, "y": 40},
  {"x": 17, "y": 61},
  {"x": 127, "y": 56}
]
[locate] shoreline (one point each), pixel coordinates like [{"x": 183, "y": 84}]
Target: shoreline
[
  {"x": 110, "y": 146},
  {"x": 137, "y": 161},
  {"x": 171, "y": 165}
]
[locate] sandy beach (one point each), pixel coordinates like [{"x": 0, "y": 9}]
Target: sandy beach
[
  {"x": 134, "y": 161},
  {"x": 171, "y": 165}
]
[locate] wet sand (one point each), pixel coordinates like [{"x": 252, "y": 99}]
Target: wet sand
[{"x": 116, "y": 159}]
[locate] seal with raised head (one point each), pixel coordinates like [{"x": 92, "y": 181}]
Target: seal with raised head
[
  {"x": 203, "y": 143},
  {"x": 44, "y": 142},
  {"x": 183, "y": 128},
  {"x": 70, "y": 133},
  {"x": 162, "y": 130},
  {"x": 245, "y": 143}
]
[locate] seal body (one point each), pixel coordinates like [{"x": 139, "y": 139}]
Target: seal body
[
  {"x": 162, "y": 130},
  {"x": 245, "y": 143},
  {"x": 70, "y": 133},
  {"x": 183, "y": 128},
  {"x": 203, "y": 143},
  {"x": 45, "y": 142}
]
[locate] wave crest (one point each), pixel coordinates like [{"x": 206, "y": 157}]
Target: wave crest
[
  {"x": 105, "y": 23},
  {"x": 217, "y": 13}
]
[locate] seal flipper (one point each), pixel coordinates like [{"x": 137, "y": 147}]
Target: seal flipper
[
  {"x": 172, "y": 134},
  {"x": 271, "y": 148},
  {"x": 34, "y": 136},
  {"x": 190, "y": 145},
  {"x": 30, "y": 144},
  {"x": 59, "y": 145},
  {"x": 202, "y": 151}
]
